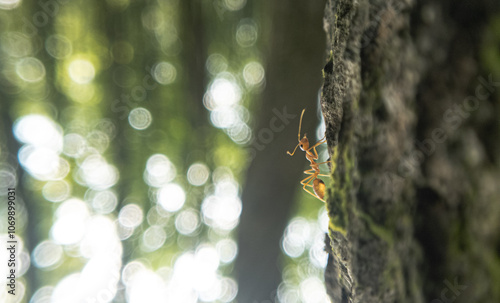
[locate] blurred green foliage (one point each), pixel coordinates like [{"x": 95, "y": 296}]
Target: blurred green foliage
[{"x": 129, "y": 120}]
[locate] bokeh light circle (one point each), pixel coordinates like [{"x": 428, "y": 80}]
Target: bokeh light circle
[
  {"x": 43, "y": 163},
  {"x": 227, "y": 249},
  {"x": 229, "y": 289},
  {"x": 198, "y": 174},
  {"x": 171, "y": 197},
  {"x": 69, "y": 228},
  {"x": 39, "y": 131},
  {"x": 140, "y": 118},
  {"x": 97, "y": 173},
  {"x": 312, "y": 290},
  {"x": 153, "y": 238},
  {"x": 42, "y": 295},
  {"x": 216, "y": 63},
  {"x": 47, "y": 254},
  {"x": 296, "y": 235},
  {"x": 7, "y": 179},
  {"x": 164, "y": 73},
  {"x": 30, "y": 69},
  {"x": 130, "y": 216},
  {"x": 58, "y": 46},
  {"x": 81, "y": 71},
  {"x": 187, "y": 221},
  {"x": 130, "y": 270},
  {"x": 159, "y": 171},
  {"x": 16, "y": 44},
  {"x": 9, "y": 4},
  {"x": 253, "y": 73},
  {"x": 225, "y": 92},
  {"x": 221, "y": 212},
  {"x": 235, "y": 5},
  {"x": 246, "y": 33},
  {"x": 104, "y": 202},
  {"x": 56, "y": 191},
  {"x": 74, "y": 145}
]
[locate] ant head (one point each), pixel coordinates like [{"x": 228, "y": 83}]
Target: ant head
[{"x": 304, "y": 143}]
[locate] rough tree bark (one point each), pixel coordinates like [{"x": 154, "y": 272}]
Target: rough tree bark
[{"x": 411, "y": 104}]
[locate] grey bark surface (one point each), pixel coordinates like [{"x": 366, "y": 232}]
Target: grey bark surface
[{"x": 414, "y": 204}]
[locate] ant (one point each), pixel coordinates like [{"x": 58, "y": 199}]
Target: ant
[{"x": 311, "y": 155}]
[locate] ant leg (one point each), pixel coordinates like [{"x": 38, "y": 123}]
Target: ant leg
[
  {"x": 317, "y": 144},
  {"x": 323, "y": 175},
  {"x": 308, "y": 183},
  {"x": 307, "y": 180},
  {"x": 309, "y": 171},
  {"x": 312, "y": 171},
  {"x": 324, "y": 162},
  {"x": 315, "y": 151}
]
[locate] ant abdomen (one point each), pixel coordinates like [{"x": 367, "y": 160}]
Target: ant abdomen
[{"x": 319, "y": 188}]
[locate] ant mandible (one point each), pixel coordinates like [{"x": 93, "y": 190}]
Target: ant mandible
[{"x": 311, "y": 155}]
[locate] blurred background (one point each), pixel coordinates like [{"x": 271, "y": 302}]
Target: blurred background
[{"x": 147, "y": 140}]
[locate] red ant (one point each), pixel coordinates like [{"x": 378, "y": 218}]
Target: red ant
[{"x": 311, "y": 155}]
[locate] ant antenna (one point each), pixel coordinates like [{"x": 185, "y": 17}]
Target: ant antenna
[
  {"x": 300, "y": 123},
  {"x": 291, "y": 154}
]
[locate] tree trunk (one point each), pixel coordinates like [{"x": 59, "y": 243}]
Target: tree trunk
[
  {"x": 293, "y": 53},
  {"x": 411, "y": 105}
]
